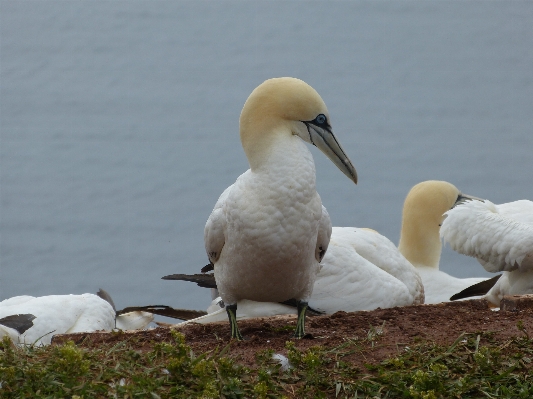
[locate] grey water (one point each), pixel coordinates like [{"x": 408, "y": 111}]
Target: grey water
[{"x": 119, "y": 124}]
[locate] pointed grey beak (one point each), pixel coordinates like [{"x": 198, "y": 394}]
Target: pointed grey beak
[
  {"x": 324, "y": 139},
  {"x": 461, "y": 198}
]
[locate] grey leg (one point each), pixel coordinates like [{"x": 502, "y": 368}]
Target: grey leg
[
  {"x": 300, "y": 324},
  {"x": 232, "y": 316}
]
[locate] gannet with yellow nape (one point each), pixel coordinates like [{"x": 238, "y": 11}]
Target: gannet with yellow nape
[
  {"x": 420, "y": 241},
  {"x": 268, "y": 232},
  {"x": 363, "y": 270}
]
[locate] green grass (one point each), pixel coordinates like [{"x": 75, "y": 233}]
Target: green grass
[{"x": 465, "y": 369}]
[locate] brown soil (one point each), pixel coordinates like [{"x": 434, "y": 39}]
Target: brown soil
[{"x": 401, "y": 327}]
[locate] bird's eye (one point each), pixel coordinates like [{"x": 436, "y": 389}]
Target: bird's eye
[{"x": 320, "y": 119}]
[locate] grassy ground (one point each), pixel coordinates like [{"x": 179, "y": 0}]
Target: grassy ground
[{"x": 464, "y": 369}]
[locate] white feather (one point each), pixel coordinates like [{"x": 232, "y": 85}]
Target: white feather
[
  {"x": 63, "y": 314},
  {"x": 500, "y": 237},
  {"x": 362, "y": 270},
  {"x": 59, "y": 314}
]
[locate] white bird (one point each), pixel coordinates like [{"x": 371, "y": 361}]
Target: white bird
[
  {"x": 362, "y": 270},
  {"x": 59, "y": 314},
  {"x": 420, "y": 241},
  {"x": 500, "y": 237},
  {"x": 268, "y": 232},
  {"x": 63, "y": 314}
]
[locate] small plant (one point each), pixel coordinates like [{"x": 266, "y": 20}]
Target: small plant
[
  {"x": 474, "y": 366},
  {"x": 521, "y": 327},
  {"x": 374, "y": 333}
]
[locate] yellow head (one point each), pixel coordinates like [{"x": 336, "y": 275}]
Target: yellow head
[
  {"x": 288, "y": 106},
  {"x": 423, "y": 211}
]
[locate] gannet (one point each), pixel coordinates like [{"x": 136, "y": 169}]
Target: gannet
[
  {"x": 420, "y": 242},
  {"x": 268, "y": 232},
  {"x": 61, "y": 314},
  {"x": 500, "y": 237},
  {"x": 362, "y": 270}
]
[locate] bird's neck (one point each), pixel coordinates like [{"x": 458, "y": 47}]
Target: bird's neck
[
  {"x": 421, "y": 245},
  {"x": 280, "y": 156}
]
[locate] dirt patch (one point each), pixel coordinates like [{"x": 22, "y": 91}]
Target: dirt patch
[{"x": 382, "y": 333}]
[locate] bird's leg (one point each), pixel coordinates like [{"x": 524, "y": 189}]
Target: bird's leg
[
  {"x": 300, "y": 324},
  {"x": 232, "y": 316}
]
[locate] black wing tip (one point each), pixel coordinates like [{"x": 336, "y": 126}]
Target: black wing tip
[
  {"x": 106, "y": 297},
  {"x": 19, "y": 322},
  {"x": 203, "y": 280},
  {"x": 460, "y": 295},
  {"x": 208, "y": 268},
  {"x": 478, "y": 289},
  {"x": 164, "y": 310}
]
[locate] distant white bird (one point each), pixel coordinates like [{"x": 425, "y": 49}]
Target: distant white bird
[
  {"x": 500, "y": 237},
  {"x": 420, "y": 241},
  {"x": 268, "y": 232},
  {"x": 62, "y": 314}
]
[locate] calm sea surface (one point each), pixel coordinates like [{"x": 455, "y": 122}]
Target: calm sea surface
[{"x": 119, "y": 124}]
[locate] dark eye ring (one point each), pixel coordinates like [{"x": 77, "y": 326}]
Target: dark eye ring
[{"x": 320, "y": 119}]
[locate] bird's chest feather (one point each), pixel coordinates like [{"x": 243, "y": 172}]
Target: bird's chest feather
[{"x": 277, "y": 212}]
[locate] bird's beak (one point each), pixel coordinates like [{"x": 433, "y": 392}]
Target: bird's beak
[
  {"x": 325, "y": 141},
  {"x": 461, "y": 198}
]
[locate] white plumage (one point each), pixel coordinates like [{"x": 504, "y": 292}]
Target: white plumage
[
  {"x": 362, "y": 270},
  {"x": 268, "y": 231},
  {"x": 245, "y": 310},
  {"x": 265, "y": 228},
  {"x": 61, "y": 314},
  {"x": 136, "y": 320},
  {"x": 500, "y": 237},
  {"x": 439, "y": 286}
]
